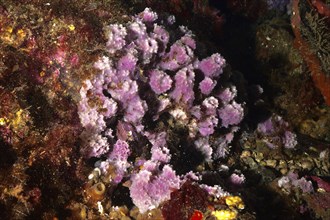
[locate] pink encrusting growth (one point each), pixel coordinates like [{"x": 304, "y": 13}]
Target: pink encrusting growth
[
  {"x": 275, "y": 132},
  {"x": 149, "y": 85}
]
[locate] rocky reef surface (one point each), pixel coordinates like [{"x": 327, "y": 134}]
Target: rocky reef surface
[{"x": 164, "y": 109}]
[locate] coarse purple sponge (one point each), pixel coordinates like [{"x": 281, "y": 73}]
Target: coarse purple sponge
[{"x": 152, "y": 69}]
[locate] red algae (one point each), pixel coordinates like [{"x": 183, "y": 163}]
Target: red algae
[{"x": 185, "y": 202}]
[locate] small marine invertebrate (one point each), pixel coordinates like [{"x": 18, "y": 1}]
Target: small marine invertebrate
[
  {"x": 197, "y": 215},
  {"x": 95, "y": 192},
  {"x": 235, "y": 201},
  {"x": 224, "y": 214}
]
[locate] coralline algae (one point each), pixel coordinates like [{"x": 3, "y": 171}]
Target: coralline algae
[{"x": 150, "y": 84}]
